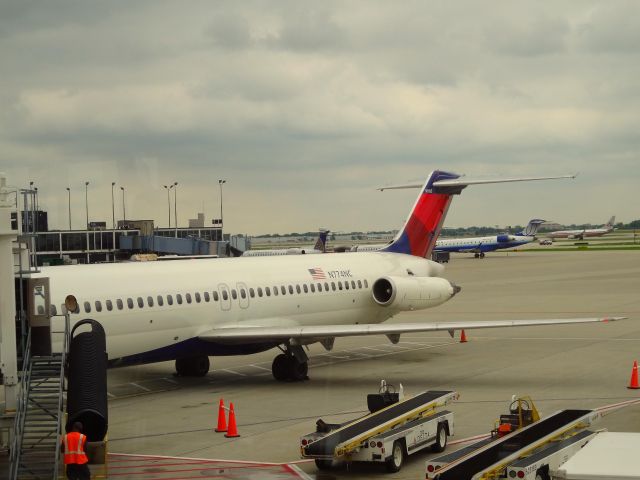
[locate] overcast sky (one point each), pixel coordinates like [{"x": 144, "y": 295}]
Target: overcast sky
[{"x": 305, "y": 107}]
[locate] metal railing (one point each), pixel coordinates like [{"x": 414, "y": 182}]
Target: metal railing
[
  {"x": 63, "y": 360},
  {"x": 21, "y": 408}
]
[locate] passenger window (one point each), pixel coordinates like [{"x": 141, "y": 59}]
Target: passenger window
[
  {"x": 326, "y": 287},
  {"x": 87, "y": 308},
  {"x": 225, "y": 295},
  {"x": 298, "y": 289},
  {"x": 178, "y": 299},
  {"x": 333, "y": 286},
  {"x": 346, "y": 285},
  {"x": 198, "y": 297},
  {"x": 169, "y": 299},
  {"x": 283, "y": 290},
  {"x": 259, "y": 291},
  {"x": 215, "y": 296},
  {"x": 130, "y": 302},
  {"x": 353, "y": 284},
  {"x": 140, "y": 302},
  {"x": 150, "y": 301},
  {"x": 339, "y": 285},
  {"x": 187, "y": 296},
  {"x": 366, "y": 284},
  {"x": 275, "y": 291},
  {"x": 267, "y": 290},
  {"x": 119, "y": 304},
  {"x": 290, "y": 289},
  {"x": 234, "y": 293},
  {"x": 109, "y": 305},
  {"x": 359, "y": 283},
  {"x": 207, "y": 298},
  {"x": 305, "y": 288},
  {"x": 313, "y": 288},
  {"x": 98, "y": 306},
  {"x": 160, "y": 300},
  {"x": 243, "y": 293},
  {"x": 319, "y": 287},
  {"x": 252, "y": 292}
]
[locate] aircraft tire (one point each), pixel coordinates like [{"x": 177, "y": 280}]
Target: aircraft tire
[
  {"x": 482, "y": 255},
  {"x": 281, "y": 367},
  {"x": 475, "y": 255},
  {"x": 299, "y": 370}
]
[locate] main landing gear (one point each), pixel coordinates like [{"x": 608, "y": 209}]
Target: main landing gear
[
  {"x": 196, "y": 366},
  {"x": 478, "y": 255},
  {"x": 292, "y": 365}
]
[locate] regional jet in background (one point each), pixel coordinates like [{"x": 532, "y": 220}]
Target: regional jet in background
[
  {"x": 319, "y": 247},
  {"x": 189, "y": 311},
  {"x": 587, "y": 232},
  {"x": 478, "y": 245},
  {"x": 481, "y": 245}
]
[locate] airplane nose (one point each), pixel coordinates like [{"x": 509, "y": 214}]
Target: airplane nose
[{"x": 456, "y": 288}]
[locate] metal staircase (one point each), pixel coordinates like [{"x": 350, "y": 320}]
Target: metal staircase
[{"x": 38, "y": 426}]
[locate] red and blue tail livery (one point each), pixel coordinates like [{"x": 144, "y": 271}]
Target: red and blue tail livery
[{"x": 420, "y": 231}]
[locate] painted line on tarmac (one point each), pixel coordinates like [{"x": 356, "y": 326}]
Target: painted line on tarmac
[{"x": 140, "y": 387}]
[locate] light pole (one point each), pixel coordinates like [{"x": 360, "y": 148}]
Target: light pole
[
  {"x": 86, "y": 201},
  {"x": 124, "y": 207},
  {"x": 69, "y": 192},
  {"x": 113, "y": 208},
  {"x": 168, "y": 188},
  {"x": 175, "y": 206},
  {"x": 220, "y": 183}
]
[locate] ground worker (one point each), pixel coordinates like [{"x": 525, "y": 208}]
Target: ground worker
[{"x": 74, "y": 457}]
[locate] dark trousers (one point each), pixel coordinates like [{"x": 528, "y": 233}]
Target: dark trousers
[{"x": 76, "y": 471}]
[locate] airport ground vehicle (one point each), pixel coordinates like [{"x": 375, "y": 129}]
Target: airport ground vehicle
[
  {"x": 529, "y": 452},
  {"x": 546, "y": 241},
  {"x": 395, "y": 428}
]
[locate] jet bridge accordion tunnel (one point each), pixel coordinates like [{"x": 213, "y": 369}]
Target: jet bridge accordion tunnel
[{"x": 87, "y": 380}]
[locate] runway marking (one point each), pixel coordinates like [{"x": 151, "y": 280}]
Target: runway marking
[
  {"x": 170, "y": 380},
  {"x": 233, "y": 372},
  {"x": 261, "y": 368},
  {"x": 376, "y": 349},
  {"x": 140, "y": 387},
  {"x": 560, "y": 338},
  {"x": 111, "y": 395}
]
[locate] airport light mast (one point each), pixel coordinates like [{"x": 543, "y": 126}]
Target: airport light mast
[
  {"x": 69, "y": 192},
  {"x": 220, "y": 183},
  {"x": 124, "y": 208},
  {"x": 86, "y": 201}
]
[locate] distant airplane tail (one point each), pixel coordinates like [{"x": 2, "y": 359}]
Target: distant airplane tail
[
  {"x": 611, "y": 222},
  {"x": 532, "y": 228},
  {"x": 321, "y": 244},
  {"x": 420, "y": 231}
]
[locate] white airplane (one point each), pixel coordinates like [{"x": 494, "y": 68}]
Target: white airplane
[
  {"x": 588, "y": 232},
  {"x": 476, "y": 245},
  {"x": 189, "y": 311},
  {"x": 319, "y": 247}
]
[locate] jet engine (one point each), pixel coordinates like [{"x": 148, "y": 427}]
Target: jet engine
[
  {"x": 412, "y": 293},
  {"x": 505, "y": 238}
]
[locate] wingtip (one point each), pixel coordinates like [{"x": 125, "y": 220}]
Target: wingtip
[{"x": 612, "y": 319}]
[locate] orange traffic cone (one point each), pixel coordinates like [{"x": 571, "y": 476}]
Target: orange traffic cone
[
  {"x": 222, "y": 418},
  {"x": 633, "y": 383},
  {"x": 463, "y": 337},
  {"x": 233, "y": 428}
]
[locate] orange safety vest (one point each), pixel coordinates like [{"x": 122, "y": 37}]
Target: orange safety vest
[{"x": 74, "y": 448}]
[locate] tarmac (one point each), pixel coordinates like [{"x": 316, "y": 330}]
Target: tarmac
[{"x": 162, "y": 426}]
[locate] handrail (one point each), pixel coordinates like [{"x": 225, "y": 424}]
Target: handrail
[
  {"x": 63, "y": 360},
  {"x": 21, "y": 400}
]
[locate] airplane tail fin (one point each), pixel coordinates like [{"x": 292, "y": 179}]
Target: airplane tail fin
[
  {"x": 532, "y": 228},
  {"x": 420, "y": 231},
  {"x": 321, "y": 243},
  {"x": 611, "y": 222}
]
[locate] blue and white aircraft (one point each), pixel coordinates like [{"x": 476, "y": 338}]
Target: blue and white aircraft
[{"x": 481, "y": 245}]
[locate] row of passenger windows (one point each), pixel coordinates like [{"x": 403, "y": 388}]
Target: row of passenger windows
[{"x": 224, "y": 294}]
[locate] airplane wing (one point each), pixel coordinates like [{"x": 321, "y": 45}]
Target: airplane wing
[{"x": 251, "y": 334}]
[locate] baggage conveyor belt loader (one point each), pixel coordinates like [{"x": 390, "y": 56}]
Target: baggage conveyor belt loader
[
  {"x": 528, "y": 453},
  {"x": 395, "y": 428}
]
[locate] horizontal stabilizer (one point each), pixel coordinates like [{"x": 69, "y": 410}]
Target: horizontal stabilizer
[
  {"x": 462, "y": 182},
  {"x": 261, "y": 334}
]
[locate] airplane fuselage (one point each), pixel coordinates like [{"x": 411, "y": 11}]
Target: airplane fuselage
[
  {"x": 481, "y": 244},
  {"x": 155, "y": 311}
]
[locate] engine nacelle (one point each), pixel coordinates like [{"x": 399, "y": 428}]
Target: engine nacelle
[
  {"x": 505, "y": 238},
  {"x": 412, "y": 293}
]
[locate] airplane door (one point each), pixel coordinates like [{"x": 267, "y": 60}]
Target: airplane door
[
  {"x": 243, "y": 293},
  {"x": 225, "y": 297}
]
